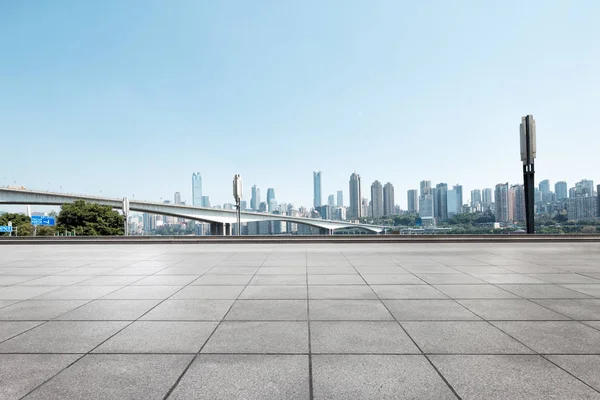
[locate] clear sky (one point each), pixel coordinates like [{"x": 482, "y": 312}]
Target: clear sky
[{"x": 130, "y": 97}]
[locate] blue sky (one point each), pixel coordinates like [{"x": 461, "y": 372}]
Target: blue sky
[{"x": 131, "y": 97}]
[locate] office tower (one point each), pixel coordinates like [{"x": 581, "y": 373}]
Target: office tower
[
  {"x": 486, "y": 197},
  {"x": 255, "y": 200},
  {"x": 355, "y": 211},
  {"x": 317, "y": 189},
  {"x": 560, "y": 188},
  {"x": 544, "y": 187},
  {"x": 501, "y": 200},
  {"x": 205, "y": 202},
  {"x": 441, "y": 202},
  {"x": 582, "y": 208},
  {"x": 459, "y": 197},
  {"x": 451, "y": 203},
  {"x": 537, "y": 196},
  {"x": 340, "y": 198},
  {"x": 197, "y": 189},
  {"x": 367, "y": 210},
  {"x": 413, "y": 201},
  {"x": 475, "y": 197},
  {"x": 177, "y": 198},
  {"x": 426, "y": 206},
  {"x": 425, "y": 187},
  {"x": 584, "y": 188},
  {"x": 388, "y": 199},
  {"x": 376, "y": 200},
  {"x": 331, "y": 200},
  {"x": 263, "y": 207},
  {"x": 243, "y": 205},
  {"x": 516, "y": 203}
]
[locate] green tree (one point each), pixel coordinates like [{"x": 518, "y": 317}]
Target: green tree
[
  {"x": 90, "y": 219},
  {"x": 21, "y": 222}
]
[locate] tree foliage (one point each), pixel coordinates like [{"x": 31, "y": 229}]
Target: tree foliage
[
  {"x": 90, "y": 219},
  {"x": 21, "y": 222}
]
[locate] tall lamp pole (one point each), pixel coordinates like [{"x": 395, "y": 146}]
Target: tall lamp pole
[
  {"x": 528, "y": 153},
  {"x": 237, "y": 195}
]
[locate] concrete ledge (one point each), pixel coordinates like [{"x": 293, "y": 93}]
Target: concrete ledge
[{"x": 54, "y": 240}]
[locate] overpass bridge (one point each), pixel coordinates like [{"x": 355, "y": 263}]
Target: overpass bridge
[{"x": 219, "y": 220}]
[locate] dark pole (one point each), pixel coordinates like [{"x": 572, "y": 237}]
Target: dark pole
[{"x": 529, "y": 179}]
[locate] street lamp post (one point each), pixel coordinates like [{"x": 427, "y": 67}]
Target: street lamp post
[
  {"x": 237, "y": 195},
  {"x": 528, "y": 153}
]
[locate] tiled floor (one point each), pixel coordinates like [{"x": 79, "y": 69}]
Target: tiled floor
[{"x": 360, "y": 321}]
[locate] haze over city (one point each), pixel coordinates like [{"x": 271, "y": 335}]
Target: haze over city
[{"x": 130, "y": 98}]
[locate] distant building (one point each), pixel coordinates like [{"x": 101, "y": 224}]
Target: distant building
[
  {"x": 149, "y": 222},
  {"x": 376, "y": 200},
  {"x": 501, "y": 202},
  {"x": 426, "y": 206},
  {"x": 537, "y": 196},
  {"x": 255, "y": 199},
  {"x": 516, "y": 203},
  {"x": 355, "y": 211},
  {"x": 459, "y": 197},
  {"x": 331, "y": 200},
  {"x": 197, "y": 189},
  {"x": 340, "y": 198},
  {"x": 441, "y": 202},
  {"x": 582, "y": 208},
  {"x": 341, "y": 213},
  {"x": 317, "y": 202},
  {"x": 487, "y": 197},
  {"x": 572, "y": 193},
  {"x": 544, "y": 187},
  {"x": 560, "y": 188},
  {"x": 177, "y": 198},
  {"x": 271, "y": 202},
  {"x": 205, "y": 202},
  {"x": 366, "y": 208},
  {"x": 584, "y": 188},
  {"x": 388, "y": 200},
  {"x": 243, "y": 205},
  {"x": 475, "y": 197},
  {"x": 263, "y": 207},
  {"x": 451, "y": 203},
  {"x": 425, "y": 187},
  {"x": 413, "y": 201}
]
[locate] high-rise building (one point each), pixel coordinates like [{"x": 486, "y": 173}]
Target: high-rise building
[
  {"x": 452, "y": 203},
  {"x": 582, "y": 208},
  {"x": 516, "y": 212},
  {"x": 426, "y": 206},
  {"x": 560, "y": 188},
  {"x": 413, "y": 201},
  {"x": 263, "y": 207},
  {"x": 255, "y": 200},
  {"x": 340, "y": 198},
  {"x": 366, "y": 208},
  {"x": 376, "y": 200},
  {"x": 317, "y": 189},
  {"x": 243, "y": 205},
  {"x": 355, "y": 211},
  {"x": 459, "y": 197},
  {"x": 537, "y": 196},
  {"x": 205, "y": 202},
  {"x": 501, "y": 200},
  {"x": 197, "y": 189},
  {"x": 584, "y": 188},
  {"x": 486, "y": 197},
  {"x": 544, "y": 187},
  {"x": 177, "y": 198},
  {"x": 441, "y": 202},
  {"x": 475, "y": 197},
  {"x": 388, "y": 199},
  {"x": 425, "y": 187},
  {"x": 572, "y": 193},
  {"x": 331, "y": 200}
]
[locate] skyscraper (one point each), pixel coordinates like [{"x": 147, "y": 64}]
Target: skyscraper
[
  {"x": 340, "y": 198},
  {"x": 486, "y": 197},
  {"x": 560, "y": 188},
  {"x": 475, "y": 197},
  {"x": 331, "y": 200},
  {"x": 197, "y": 189},
  {"x": 354, "y": 211},
  {"x": 388, "y": 199},
  {"x": 544, "y": 187},
  {"x": 584, "y": 188},
  {"x": 501, "y": 200},
  {"x": 413, "y": 201},
  {"x": 517, "y": 203},
  {"x": 459, "y": 197},
  {"x": 205, "y": 202},
  {"x": 317, "y": 189},
  {"x": 255, "y": 200},
  {"x": 271, "y": 202},
  {"x": 441, "y": 201},
  {"x": 376, "y": 200},
  {"x": 452, "y": 203},
  {"x": 177, "y": 198},
  {"x": 425, "y": 187}
]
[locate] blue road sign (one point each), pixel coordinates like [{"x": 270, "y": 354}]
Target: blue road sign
[
  {"x": 42, "y": 220},
  {"x": 6, "y": 229}
]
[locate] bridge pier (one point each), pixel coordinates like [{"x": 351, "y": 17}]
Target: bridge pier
[{"x": 227, "y": 230}]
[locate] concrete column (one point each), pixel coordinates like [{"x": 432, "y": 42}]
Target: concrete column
[
  {"x": 217, "y": 229},
  {"x": 227, "y": 229}
]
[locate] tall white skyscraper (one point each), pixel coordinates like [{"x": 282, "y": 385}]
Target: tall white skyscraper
[
  {"x": 197, "y": 189},
  {"x": 340, "y": 198},
  {"x": 355, "y": 209},
  {"x": 255, "y": 199},
  {"x": 317, "y": 199},
  {"x": 388, "y": 199},
  {"x": 376, "y": 200}
]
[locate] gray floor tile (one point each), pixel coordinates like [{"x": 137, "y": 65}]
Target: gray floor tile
[
  {"x": 6, "y": 303},
  {"x": 507, "y": 278},
  {"x": 386, "y": 270},
  {"x": 331, "y": 270},
  {"x": 360, "y": 337},
  {"x": 478, "y": 269},
  {"x": 21, "y": 373},
  {"x": 278, "y": 280},
  {"x": 589, "y": 288},
  {"x": 335, "y": 280},
  {"x": 429, "y": 269},
  {"x": 357, "y": 310},
  {"x": 116, "y": 376},
  {"x": 428, "y": 310},
  {"x": 106, "y": 310},
  {"x": 273, "y": 292},
  {"x": 376, "y": 377},
  {"x": 87, "y": 271},
  {"x": 55, "y": 280},
  {"x": 496, "y": 377},
  {"x": 281, "y": 271},
  {"x": 217, "y": 292},
  {"x": 34, "y": 310},
  {"x": 268, "y": 310},
  {"x": 143, "y": 293},
  {"x": 232, "y": 270},
  {"x": 228, "y": 280},
  {"x": 449, "y": 278},
  {"x": 190, "y": 310},
  {"x": 236, "y": 376},
  {"x": 62, "y": 337},
  {"x": 464, "y": 337},
  {"x": 9, "y": 329},
  {"x": 8, "y": 280},
  {"x": 565, "y": 278},
  {"x": 554, "y": 337},
  {"x": 166, "y": 280},
  {"x": 395, "y": 279},
  {"x": 543, "y": 291},
  {"x": 110, "y": 280},
  {"x": 407, "y": 292},
  {"x": 184, "y": 270},
  {"x": 593, "y": 324},
  {"x": 474, "y": 292},
  {"x": 24, "y": 292},
  {"x": 78, "y": 293},
  {"x": 584, "y": 367},
  {"x": 259, "y": 337},
  {"x": 330, "y": 292},
  {"x": 579, "y": 309},
  {"x": 510, "y": 309},
  {"x": 159, "y": 337}
]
